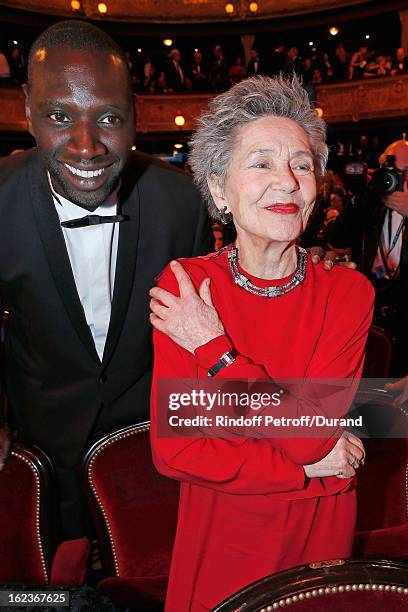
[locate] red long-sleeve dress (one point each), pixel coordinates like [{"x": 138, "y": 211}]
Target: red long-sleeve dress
[{"x": 246, "y": 507}]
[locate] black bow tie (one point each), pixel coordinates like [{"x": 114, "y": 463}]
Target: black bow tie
[{"x": 93, "y": 220}]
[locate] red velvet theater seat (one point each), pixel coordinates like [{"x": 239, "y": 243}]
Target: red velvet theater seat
[
  {"x": 337, "y": 585},
  {"x": 379, "y": 350},
  {"x": 382, "y": 492},
  {"x": 135, "y": 514},
  {"x": 29, "y": 553}
]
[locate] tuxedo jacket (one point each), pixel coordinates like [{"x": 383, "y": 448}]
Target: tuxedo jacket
[
  {"x": 173, "y": 77},
  {"x": 58, "y": 392}
]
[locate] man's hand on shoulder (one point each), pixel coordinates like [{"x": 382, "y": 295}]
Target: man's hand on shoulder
[{"x": 329, "y": 258}]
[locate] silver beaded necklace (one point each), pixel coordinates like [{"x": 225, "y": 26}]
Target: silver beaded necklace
[{"x": 272, "y": 290}]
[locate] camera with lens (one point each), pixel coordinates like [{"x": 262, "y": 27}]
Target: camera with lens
[{"x": 387, "y": 179}]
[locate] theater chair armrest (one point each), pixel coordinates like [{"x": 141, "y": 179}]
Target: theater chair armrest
[
  {"x": 387, "y": 543},
  {"x": 70, "y": 562}
]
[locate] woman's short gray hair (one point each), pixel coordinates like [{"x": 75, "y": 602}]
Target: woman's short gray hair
[{"x": 212, "y": 143}]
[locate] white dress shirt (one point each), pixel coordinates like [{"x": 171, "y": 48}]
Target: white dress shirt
[
  {"x": 92, "y": 251},
  {"x": 388, "y": 234}
]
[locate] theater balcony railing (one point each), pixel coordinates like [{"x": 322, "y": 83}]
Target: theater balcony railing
[{"x": 342, "y": 102}]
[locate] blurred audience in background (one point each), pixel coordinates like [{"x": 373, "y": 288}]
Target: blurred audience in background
[{"x": 166, "y": 73}]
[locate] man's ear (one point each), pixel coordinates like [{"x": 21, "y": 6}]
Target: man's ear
[
  {"x": 26, "y": 90},
  {"x": 217, "y": 191}
]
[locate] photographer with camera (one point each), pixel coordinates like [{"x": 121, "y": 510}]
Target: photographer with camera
[{"x": 375, "y": 227}]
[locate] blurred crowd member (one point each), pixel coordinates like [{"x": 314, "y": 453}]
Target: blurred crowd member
[
  {"x": 326, "y": 67},
  {"x": 218, "y": 77},
  {"x": 340, "y": 64},
  {"x": 129, "y": 61},
  {"x": 337, "y": 198},
  {"x": 4, "y": 68},
  {"x": 307, "y": 70},
  {"x": 358, "y": 63},
  {"x": 277, "y": 60},
  {"x": 198, "y": 73},
  {"x": 388, "y": 62},
  {"x": 132, "y": 70},
  {"x": 317, "y": 76},
  {"x": 293, "y": 61},
  {"x": 377, "y": 67},
  {"x": 254, "y": 64},
  {"x": 331, "y": 196},
  {"x": 18, "y": 66},
  {"x": 323, "y": 236},
  {"x": 148, "y": 74},
  {"x": 150, "y": 79},
  {"x": 400, "y": 62},
  {"x": 175, "y": 75},
  {"x": 160, "y": 85},
  {"x": 237, "y": 71}
]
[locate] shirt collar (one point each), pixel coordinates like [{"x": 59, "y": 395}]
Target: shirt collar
[{"x": 67, "y": 210}]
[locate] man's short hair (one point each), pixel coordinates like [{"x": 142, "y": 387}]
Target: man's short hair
[{"x": 75, "y": 34}]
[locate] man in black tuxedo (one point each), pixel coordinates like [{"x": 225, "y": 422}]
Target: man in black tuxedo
[
  {"x": 277, "y": 60},
  {"x": 84, "y": 229},
  {"x": 175, "y": 75},
  {"x": 254, "y": 65}
]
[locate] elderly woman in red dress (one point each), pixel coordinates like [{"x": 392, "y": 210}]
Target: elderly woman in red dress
[{"x": 258, "y": 309}]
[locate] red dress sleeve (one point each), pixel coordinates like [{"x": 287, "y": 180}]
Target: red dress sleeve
[{"x": 238, "y": 466}]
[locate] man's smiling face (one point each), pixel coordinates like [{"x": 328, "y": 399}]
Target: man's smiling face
[{"x": 79, "y": 109}]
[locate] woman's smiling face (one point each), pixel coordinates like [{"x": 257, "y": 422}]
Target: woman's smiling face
[{"x": 270, "y": 186}]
